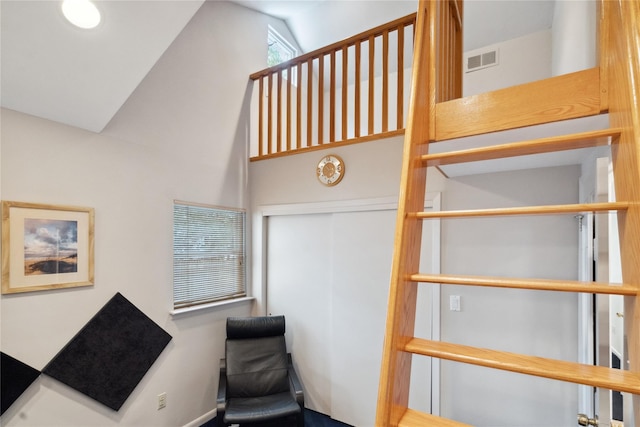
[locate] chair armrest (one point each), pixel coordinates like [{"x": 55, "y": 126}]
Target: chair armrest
[
  {"x": 221, "y": 400},
  {"x": 294, "y": 381}
]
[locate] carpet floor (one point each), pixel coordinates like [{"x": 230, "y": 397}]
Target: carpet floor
[{"x": 311, "y": 419}]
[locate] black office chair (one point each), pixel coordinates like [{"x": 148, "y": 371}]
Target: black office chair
[{"x": 258, "y": 384}]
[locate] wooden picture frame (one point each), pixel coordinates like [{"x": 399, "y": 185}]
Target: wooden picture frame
[{"x": 46, "y": 247}]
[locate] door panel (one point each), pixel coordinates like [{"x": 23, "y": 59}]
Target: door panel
[
  {"x": 298, "y": 253},
  {"x": 329, "y": 274},
  {"x": 360, "y": 288}
]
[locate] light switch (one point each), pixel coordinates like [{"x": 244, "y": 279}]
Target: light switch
[{"x": 454, "y": 303}]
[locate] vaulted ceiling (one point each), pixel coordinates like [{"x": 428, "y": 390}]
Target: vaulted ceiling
[{"x": 53, "y": 70}]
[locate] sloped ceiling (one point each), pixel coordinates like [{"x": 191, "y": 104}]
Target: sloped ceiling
[
  {"x": 317, "y": 23},
  {"x": 56, "y": 71},
  {"x": 53, "y": 70}
]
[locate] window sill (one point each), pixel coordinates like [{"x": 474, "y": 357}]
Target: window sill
[{"x": 212, "y": 305}]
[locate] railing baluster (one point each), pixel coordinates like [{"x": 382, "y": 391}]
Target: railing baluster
[
  {"x": 447, "y": 58},
  {"x": 345, "y": 87},
  {"x": 320, "y": 99},
  {"x": 385, "y": 80},
  {"x": 442, "y": 49},
  {"x": 356, "y": 95},
  {"x": 332, "y": 98},
  {"x": 288, "y": 108},
  {"x": 279, "y": 113},
  {"x": 372, "y": 77},
  {"x": 309, "y": 102},
  {"x": 261, "y": 116},
  {"x": 457, "y": 67},
  {"x": 299, "y": 108},
  {"x": 400, "y": 94},
  {"x": 269, "y": 115},
  {"x": 451, "y": 55}
]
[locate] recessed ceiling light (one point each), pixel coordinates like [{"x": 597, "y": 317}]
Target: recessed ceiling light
[{"x": 81, "y": 13}]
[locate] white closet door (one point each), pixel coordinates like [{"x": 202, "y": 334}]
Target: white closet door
[
  {"x": 298, "y": 277},
  {"x": 362, "y": 256},
  {"x": 330, "y": 274},
  {"x": 427, "y": 312},
  {"x": 363, "y": 249}
]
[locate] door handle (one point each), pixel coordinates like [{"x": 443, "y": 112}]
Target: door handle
[{"x": 583, "y": 420}]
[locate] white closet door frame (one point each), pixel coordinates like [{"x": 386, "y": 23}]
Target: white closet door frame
[{"x": 258, "y": 261}]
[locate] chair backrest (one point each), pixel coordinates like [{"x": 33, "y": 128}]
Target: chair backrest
[{"x": 256, "y": 356}]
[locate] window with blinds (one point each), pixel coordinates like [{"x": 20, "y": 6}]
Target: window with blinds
[{"x": 208, "y": 254}]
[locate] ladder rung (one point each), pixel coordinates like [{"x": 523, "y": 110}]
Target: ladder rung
[
  {"x": 527, "y": 210},
  {"x": 412, "y": 418},
  {"x": 535, "y": 146},
  {"x": 533, "y": 284},
  {"x": 596, "y": 376}
]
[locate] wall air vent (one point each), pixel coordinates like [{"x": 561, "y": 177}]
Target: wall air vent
[{"x": 481, "y": 60}]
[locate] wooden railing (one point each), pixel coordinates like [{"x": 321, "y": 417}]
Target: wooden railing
[
  {"x": 449, "y": 48},
  {"x": 348, "y": 92},
  {"x": 303, "y": 111},
  {"x": 623, "y": 80}
]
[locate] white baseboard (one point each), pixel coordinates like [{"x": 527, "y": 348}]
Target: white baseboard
[{"x": 202, "y": 419}]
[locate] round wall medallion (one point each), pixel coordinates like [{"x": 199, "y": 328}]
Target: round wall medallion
[{"x": 330, "y": 170}]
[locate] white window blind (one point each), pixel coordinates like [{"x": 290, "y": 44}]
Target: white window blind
[{"x": 208, "y": 254}]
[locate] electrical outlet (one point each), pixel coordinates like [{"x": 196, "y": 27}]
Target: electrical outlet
[{"x": 162, "y": 400}]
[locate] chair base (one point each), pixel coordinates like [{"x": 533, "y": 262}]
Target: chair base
[{"x": 261, "y": 409}]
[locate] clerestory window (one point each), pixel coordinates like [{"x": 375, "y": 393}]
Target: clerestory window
[{"x": 279, "y": 50}]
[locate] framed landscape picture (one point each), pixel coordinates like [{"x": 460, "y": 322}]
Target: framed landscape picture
[{"x": 46, "y": 247}]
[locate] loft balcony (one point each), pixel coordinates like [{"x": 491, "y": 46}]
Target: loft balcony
[{"x": 358, "y": 90}]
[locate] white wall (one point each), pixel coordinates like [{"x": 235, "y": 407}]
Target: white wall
[
  {"x": 372, "y": 170},
  {"x": 574, "y": 36},
  {"x": 179, "y": 136},
  {"x": 568, "y": 46},
  {"x": 536, "y": 323},
  {"x": 521, "y": 60}
]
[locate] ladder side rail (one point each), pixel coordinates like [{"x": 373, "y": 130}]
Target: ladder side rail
[
  {"x": 621, "y": 55},
  {"x": 602, "y": 39},
  {"x": 393, "y": 392}
]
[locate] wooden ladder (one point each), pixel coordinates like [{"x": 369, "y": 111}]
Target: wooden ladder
[{"x": 618, "y": 92}]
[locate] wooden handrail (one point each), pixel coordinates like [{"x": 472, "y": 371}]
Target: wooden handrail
[
  {"x": 622, "y": 44},
  {"x": 363, "y": 36}
]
